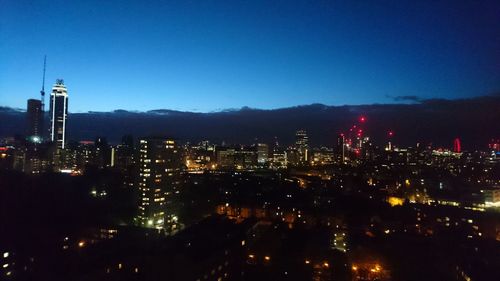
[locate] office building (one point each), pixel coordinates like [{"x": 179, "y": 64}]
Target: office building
[
  {"x": 262, "y": 153},
  {"x": 58, "y": 113},
  {"x": 239, "y": 158},
  {"x": 280, "y": 160},
  {"x": 322, "y": 156}
]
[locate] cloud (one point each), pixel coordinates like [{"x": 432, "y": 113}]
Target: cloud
[
  {"x": 405, "y": 98},
  {"x": 8, "y": 109}
]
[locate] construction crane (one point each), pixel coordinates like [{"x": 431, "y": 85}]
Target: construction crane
[
  {"x": 42, "y": 99},
  {"x": 42, "y": 92}
]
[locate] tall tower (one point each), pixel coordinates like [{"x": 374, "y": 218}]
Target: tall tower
[
  {"x": 35, "y": 119},
  {"x": 159, "y": 170},
  {"x": 58, "y": 113}
]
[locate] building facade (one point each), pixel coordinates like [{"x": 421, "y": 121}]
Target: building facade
[
  {"x": 158, "y": 182},
  {"x": 262, "y": 153},
  {"x": 58, "y": 113},
  {"x": 35, "y": 120}
]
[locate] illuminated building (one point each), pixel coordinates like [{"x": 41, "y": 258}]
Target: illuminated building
[
  {"x": 280, "y": 160},
  {"x": 491, "y": 197},
  {"x": 494, "y": 145},
  {"x": 389, "y": 146},
  {"x": 365, "y": 270},
  {"x": 246, "y": 158},
  {"x": 34, "y": 136},
  {"x": 293, "y": 156},
  {"x": 58, "y": 113},
  {"x": 341, "y": 147},
  {"x": 158, "y": 181},
  {"x": 201, "y": 156},
  {"x": 7, "y": 157},
  {"x": 236, "y": 158},
  {"x": 262, "y": 153},
  {"x": 35, "y": 120},
  {"x": 395, "y": 201},
  {"x": 225, "y": 157},
  {"x": 84, "y": 154},
  {"x": 302, "y": 145},
  {"x": 35, "y": 160},
  {"x": 322, "y": 156}
]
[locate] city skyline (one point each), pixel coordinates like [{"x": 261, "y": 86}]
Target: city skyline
[
  {"x": 243, "y": 140},
  {"x": 325, "y": 53}
]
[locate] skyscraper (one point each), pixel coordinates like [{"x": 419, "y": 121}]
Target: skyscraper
[
  {"x": 159, "y": 170},
  {"x": 35, "y": 120},
  {"x": 58, "y": 113}
]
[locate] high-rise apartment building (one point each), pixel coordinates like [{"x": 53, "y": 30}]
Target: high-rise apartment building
[
  {"x": 158, "y": 182},
  {"x": 58, "y": 113}
]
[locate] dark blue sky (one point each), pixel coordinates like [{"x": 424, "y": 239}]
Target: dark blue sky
[{"x": 210, "y": 55}]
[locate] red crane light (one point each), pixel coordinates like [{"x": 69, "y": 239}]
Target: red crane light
[{"x": 456, "y": 145}]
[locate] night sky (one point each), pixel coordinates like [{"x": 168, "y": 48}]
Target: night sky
[{"x": 212, "y": 55}]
